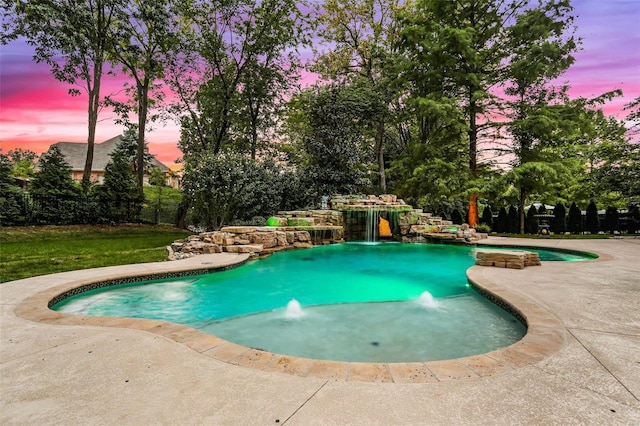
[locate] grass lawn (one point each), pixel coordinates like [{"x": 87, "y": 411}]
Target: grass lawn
[{"x": 30, "y": 251}]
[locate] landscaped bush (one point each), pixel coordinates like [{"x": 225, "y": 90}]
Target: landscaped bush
[
  {"x": 612, "y": 220},
  {"x": 501, "y": 223},
  {"x": 487, "y": 217},
  {"x": 54, "y": 193},
  {"x": 12, "y": 211},
  {"x": 227, "y": 188},
  {"x": 456, "y": 217},
  {"x": 592, "y": 223},
  {"x": 574, "y": 221},
  {"x": 513, "y": 220},
  {"x": 559, "y": 223},
  {"x": 531, "y": 221}
]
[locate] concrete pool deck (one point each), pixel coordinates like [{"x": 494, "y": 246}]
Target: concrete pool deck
[{"x": 154, "y": 373}]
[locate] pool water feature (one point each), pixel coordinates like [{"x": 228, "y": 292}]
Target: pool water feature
[{"x": 388, "y": 294}]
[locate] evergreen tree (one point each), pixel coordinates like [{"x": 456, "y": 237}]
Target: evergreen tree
[
  {"x": 487, "y": 217},
  {"x": 574, "y": 222},
  {"x": 612, "y": 220},
  {"x": 542, "y": 209},
  {"x": 531, "y": 222},
  {"x": 559, "y": 223},
  {"x": 633, "y": 220},
  {"x": 11, "y": 196},
  {"x": 456, "y": 217},
  {"x": 55, "y": 194},
  {"x": 592, "y": 223},
  {"x": 513, "y": 220},
  {"x": 501, "y": 223},
  {"x": 119, "y": 196}
]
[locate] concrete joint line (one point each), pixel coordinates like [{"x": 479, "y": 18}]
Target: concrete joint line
[
  {"x": 4, "y": 361},
  {"x": 604, "y": 366},
  {"x": 305, "y": 403}
]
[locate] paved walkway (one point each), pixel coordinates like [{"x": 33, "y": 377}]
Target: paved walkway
[{"x": 91, "y": 374}]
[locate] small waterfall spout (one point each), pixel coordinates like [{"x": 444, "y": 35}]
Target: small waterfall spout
[
  {"x": 373, "y": 217},
  {"x": 427, "y": 301},
  {"x": 293, "y": 310}
]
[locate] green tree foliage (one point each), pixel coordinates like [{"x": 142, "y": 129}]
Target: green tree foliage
[
  {"x": 329, "y": 145},
  {"x": 231, "y": 75},
  {"x": 23, "y": 162},
  {"x": 559, "y": 222},
  {"x": 119, "y": 197},
  {"x": 228, "y": 187},
  {"x": 592, "y": 222},
  {"x": 11, "y": 196},
  {"x": 54, "y": 191},
  {"x": 73, "y": 37},
  {"x": 360, "y": 35},
  {"x": 142, "y": 38}
]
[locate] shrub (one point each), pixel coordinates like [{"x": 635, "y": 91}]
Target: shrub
[
  {"x": 119, "y": 196},
  {"x": 456, "y": 217},
  {"x": 592, "y": 223},
  {"x": 559, "y": 223},
  {"x": 487, "y": 217},
  {"x": 483, "y": 227},
  {"x": 531, "y": 221},
  {"x": 501, "y": 224},
  {"x": 633, "y": 219},
  {"x": 574, "y": 221},
  {"x": 227, "y": 188},
  {"x": 56, "y": 196},
  {"x": 12, "y": 210},
  {"x": 612, "y": 220},
  {"x": 513, "y": 220}
]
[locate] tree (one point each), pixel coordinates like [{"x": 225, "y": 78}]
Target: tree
[
  {"x": 501, "y": 223},
  {"x": 531, "y": 223},
  {"x": 119, "y": 197},
  {"x": 23, "y": 162},
  {"x": 456, "y": 217},
  {"x": 559, "y": 223},
  {"x": 362, "y": 35},
  {"x": 328, "y": 143},
  {"x": 513, "y": 220},
  {"x": 592, "y": 222},
  {"x": 142, "y": 39},
  {"x": 53, "y": 189},
  {"x": 73, "y": 37},
  {"x": 487, "y": 217},
  {"x": 11, "y": 196},
  {"x": 231, "y": 75},
  {"x": 612, "y": 220},
  {"x": 227, "y": 187},
  {"x": 574, "y": 221}
]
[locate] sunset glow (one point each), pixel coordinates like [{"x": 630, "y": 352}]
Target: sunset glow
[{"x": 36, "y": 110}]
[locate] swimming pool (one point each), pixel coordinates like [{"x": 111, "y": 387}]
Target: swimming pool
[{"x": 354, "y": 302}]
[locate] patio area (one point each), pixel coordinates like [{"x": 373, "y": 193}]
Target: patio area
[{"x": 92, "y": 374}]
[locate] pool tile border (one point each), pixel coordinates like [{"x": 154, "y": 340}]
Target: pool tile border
[{"x": 545, "y": 336}]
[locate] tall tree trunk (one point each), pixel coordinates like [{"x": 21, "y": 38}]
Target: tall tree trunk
[
  {"x": 473, "y": 158},
  {"x": 93, "y": 108},
  {"x": 382, "y": 182},
  {"x": 523, "y": 195},
  {"x": 143, "y": 105}
]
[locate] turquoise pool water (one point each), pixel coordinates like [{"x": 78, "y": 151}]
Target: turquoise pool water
[{"x": 353, "y": 302}]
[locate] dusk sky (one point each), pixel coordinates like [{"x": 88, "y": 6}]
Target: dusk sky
[{"x": 36, "y": 110}]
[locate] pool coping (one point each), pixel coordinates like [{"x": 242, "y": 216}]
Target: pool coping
[{"x": 545, "y": 335}]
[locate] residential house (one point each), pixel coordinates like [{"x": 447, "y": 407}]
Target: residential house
[{"x": 75, "y": 154}]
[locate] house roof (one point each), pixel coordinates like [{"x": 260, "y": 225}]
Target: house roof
[{"x": 76, "y": 154}]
